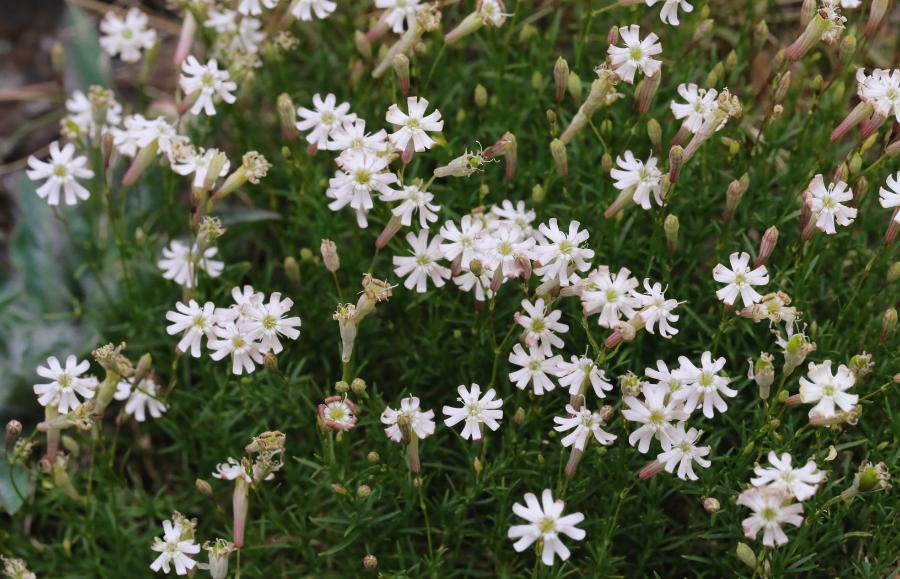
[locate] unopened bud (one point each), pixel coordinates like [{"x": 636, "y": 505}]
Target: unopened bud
[
  {"x": 558, "y": 150},
  {"x": 612, "y": 37},
  {"x": 362, "y": 491},
  {"x": 560, "y": 78},
  {"x": 893, "y": 149},
  {"x": 781, "y": 89},
  {"x": 847, "y": 49},
  {"x": 893, "y": 272},
  {"x": 363, "y": 44},
  {"x": 477, "y": 466},
  {"x": 877, "y": 11},
  {"x": 732, "y": 199},
  {"x": 676, "y": 160},
  {"x": 370, "y": 563},
  {"x": 270, "y": 362},
  {"x": 606, "y": 163},
  {"x": 481, "y": 96},
  {"x": 645, "y": 91},
  {"x": 537, "y": 81},
  {"x": 538, "y": 194},
  {"x": 767, "y": 246},
  {"x": 287, "y": 113},
  {"x": 745, "y": 555},
  {"x": 330, "y": 255},
  {"x": 807, "y": 10},
  {"x": 861, "y": 365},
  {"x": 654, "y": 132},
  {"x": 373, "y": 457},
  {"x": 341, "y": 387},
  {"x": 401, "y": 70},
  {"x": 339, "y": 488},
  {"x": 761, "y": 33},
  {"x": 573, "y": 83},
  {"x": 358, "y": 386},
  {"x": 203, "y": 487},
  {"x": 710, "y": 504},
  {"x": 292, "y": 272},
  {"x": 888, "y": 323},
  {"x": 762, "y": 371},
  {"x": 630, "y": 384},
  {"x": 13, "y": 430},
  {"x": 519, "y": 416},
  {"x": 670, "y": 225}
]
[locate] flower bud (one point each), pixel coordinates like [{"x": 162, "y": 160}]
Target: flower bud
[
  {"x": 893, "y": 272},
  {"x": 732, "y": 199},
  {"x": 654, "y": 132},
  {"x": 373, "y": 457},
  {"x": 203, "y": 487},
  {"x": 766, "y": 246},
  {"x": 761, "y": 33},
  {"x": 763, "y": 373},
  {"x": 861, "y": 365},
  {"x": 807, "y": 11},
  {"x": 781, "y": 89},
  {"x": 630, "y": 384},
  {"x": 710, "y": 504},
  {"x": 363, "y": 491},
  {"x": 370, "y": 563},
  {"x": 847, "y": 49},
  {"x": 651, "y": 469},
  {"x": 670, "y": 226},
  {"x": 481, "y": 96},
  {"x": 703, "y": 29},
  {"x": 287, "y": 114},
  {"x": 358, "y": 386},
  {"x": 745, "y": 555},
  {"x": 573, "y": 83},
  {"x": 888, "y": 323},
  {"x": 606, "y": 163},
  {"x": 812, "y": 34},
  {"x": 893, "y": 149},
  {"x": 558, "y": 150},
  {"x": 560, "y": 78},
  {"x": 612, "y": 37},
  {"x": 644, "y": 93},
  {"x": 13, "y": 430},
  {"x": 400, "y": 63},
  {"x": 537, "y": 81},
  {"x": 676, "y": 160},
  {"x": 292, "y": 272},
  {"x": 341, "y": 387},
  {"x": 330, "y": 255},
  {"x": 519, "y": 416},
  {"x": 877, "y": 11}
]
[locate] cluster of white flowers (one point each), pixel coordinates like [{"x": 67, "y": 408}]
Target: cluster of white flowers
[{"x": 246, "y": 330}]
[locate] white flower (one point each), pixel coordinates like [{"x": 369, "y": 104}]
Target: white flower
[
  {"x": 423, "y": 263},
  {"x": 534, "y": 369},
  {"x": 412, "y": 199},
  {"x": 656, "y": 414},
  {"x": 174, "y": 548},
  {"x": 481, "y": 284},
  {"x": 208, "y": 83},
  {"x": 268, "y": 321},
  {"x": 128, "y": 37},
  {"x": 827, "y": 206},
  {"x": 80, "y": 112},
  {"x": 800, "y": 483},
  {"x": 253, "y": 7},
  {"x": 517, "y": 215},
  {"x": 770, "y": 510},
  {"x": 414, "y": 125},
  {"x": 845, "y": 4},
  {"x": 60, "y": 174},
  {"x": 304, "y": 9},
  {"x": 703, "y": 385},
  {"x": 222, "y": 20},
  {"x": 699, "y": 106},
  {"x": 189, "y": 162},
  {"x": 325, "y": 120},
  {"x": 889, "y": 196},
  {"x": 399, "y": 14},
  {"x": 159, "y": 131},
  {"x": 609, "y": 296},
  {"x": 421, "y": 423},
  {"x": 337, "y": 413},
  {"x": 639, "y": 178},
  {"x": 247, "y": 305},
  {"x": 351, "y": 138},
  {"x": 460, "y": 242},
  {"x": 665, "y": 379},
  {"x": 684, "y": 452},
  {"x": 180, "y": 263},
  {"x": 503, "y": 247},
  {"x": 882, "y": 90},
  {"x": 364, "y": 173},
  {"x": 740, "y": 279},
  {"x": 235, "y": 340},
  {"x": 540, "y": 329},
  {"x": 476, "y": 410},
  {"x": 636, "y": 54},
  {"x": 140, "y": 399},
  {"x": 492, "y": 13},
  {"x": 656, "y": 308},
  {"x": 583, "y": 423},
  {"x": 546, "y": 523},
  {"x": 827, "y": 389},
  {"x": 669, "y": 12},
  {"x": 561, "y": 253},
  {"x": 65, "y": 384},
  {"x": 578, "y": 372},
  {"x": 125, "y": 140},
  {"x": 232, "y": 469}
]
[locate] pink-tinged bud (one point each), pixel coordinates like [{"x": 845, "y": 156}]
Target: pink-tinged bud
[
  {"x": 767, "y": 246},
  {"x": 412, "y": 455},
  {"x": 524, "y": 264},
  {"x": 733, "y": 197},
  {"x": 651, "y": 469},
  {"x": 619, "y": 204},
  {"x": 558, "y": 150},
  {"x": 670, "y": 226},
  {"x": 363, "y": 44},
  {"x": 311, "y": 150},
  {"x": 370, "y": 563},
  {"x": 287, "y": 113},
  {"x": 805, "y": 211},
  {"x": 893, "y": 149},
  {"x": 507, "y": 147},
  {"x": 456, "y": 266},
  {"x": 185, "y": 38},
  {"x": 407, "y": 154},
  {"x": 781, "y": 89},
  {"x": 106, "y": 149},
  {"x": 893, "y": 227},
  {"x": 676, "y": 160},
  {"x": 497, "y": 280},
  {"x": 391, "y": 229},
  {"x": 682, "y": 134},
  {"x": 560, "y": 78},
  {"x": 807, "y": 11},
  {"x": 810, "y": 36},
  {"x": 140, "y": 163},
  {"x": 860, "y": 113},
  {"x": 240, "y": 505},
  {"x": 809, "y": 230},
  {"x": 471, "y": 23},
  {"x": 871, "y": 125},
  {"x": 793, "y": 400},
  {"x": 379, "y": 29},
  {"x": 877, "y": 11},
  {"x": 645, "y": 91},
  {"x": 401, "y": 69},
  {"x": 330, "y": 255},
  {"x": 612, "y": 37},
  {"x": 574, "y": 459}
]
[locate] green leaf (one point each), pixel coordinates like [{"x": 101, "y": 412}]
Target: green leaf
[{"x": 15, "y": 485}]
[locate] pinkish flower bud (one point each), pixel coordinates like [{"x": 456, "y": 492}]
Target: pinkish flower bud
[
  {"x": 871, "y": 125},
  {"x": 793, "y": 400},
  {"x": 810, "y": 36},
  {"x": 574, "y": 459},
  {"x": 330, "y": 255},
  {"x": 877, "y": 11},
  {"x": 893, "y": 228},
  {"x": 767, "y": 246},
  {"x": 240, "y": 505},
  {"x": 287, "y": 114},
  {"x": 185, "y": 38},
  {"x": 860, "y": 113},
  {"x": 401, "y": 68},
  {"x": 612, "y": 37},
  {"x": 676, "y": 160},
  {"x": 651, "y": 469},
  {"x": 645, "y": 91},
  {"x": 13, "y": 430}
]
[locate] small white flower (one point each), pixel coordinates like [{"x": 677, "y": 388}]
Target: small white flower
[
  {"x": 703, "y": 386},
  {"x": 583, "y": 423},
  {"x": 232, "y": 469},
  {"x": 656, "y": 415},
  {"x": 770, "y": 510},
  {"x": 610, "y": 296},
  {"x": 740, "y": 279},
  {"x": 561, "y": 254},
  {"x": 247, "y": 306},
  {"x": 581, "y": 371},
  {"x": 684, "y": 453},
  {"x": 639, "y": 178},
  {"x": 421, "y": 423},
  {"x": 517, "y": 215},
  {"x": 669, "y": 12},
  {"x": 268, "y": 321},
  {"x": 208, "y": 83},
  {"x": 81, "y": 111},
  {"x": 235, "y": 340},
  {"x": 412, "y": 199},
  {"x": 460, "y": 241},
  {"x": 325, "y": 120},
  {"x": 174, "y": 548},
  {"x": 363, "y": 173},
  {"x": 492, "y": 12},
  {"x": 827, "y": 389},
  {"x": 304, "y": 9},
  {"x": 534, "y": 369},
  {"x": 476, "y": 410},
  {"x": 665, "y": 379},
  {"x": 699, "y": 106},
  {"x": 655, "y": 308},
  {"x": 845, "y": 4},
  {"x": 65, "y": 385},
  {"x": 254, "y": 7},
  {"x": 800, "y": 483},
  {"x": 337, "y": 413},
  {"x": 503, "y": 247},
  {"x": 180, "y": 263},
  {"x": 423, "y": 263},
  {"x": 140, "y": 400},
  {"x": 125, "y": 139},
  {"x": 889, "y": 195},
  {"x": 158, "y": 131},
  {"x": 190, "y": 162},
  {"x": 882, "y": 90},
  {"x": 126, "y": 37},
  {"x": 351, "y": 138},
  {"x": 547, "y": 524},
  {"x": 827, "y": 206},
  {"x": 60, "y": 173},
  {"x": 540, "y": 329},
  {"x": 414, "y": 125},
  {"x": 636, "y": 54},
  {"x": 399, "y": 14}
]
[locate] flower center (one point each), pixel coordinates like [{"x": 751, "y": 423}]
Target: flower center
[
  {"x": 208, "y": 79},
  {"x": 565, "y": 247},
  {"x": 828, "y": 390},
  {"x": 473, "y": 408},
  {"x": 60, "y": 170},
  {"x": 706, "y": 379},
  {"x": 656, "y": 417},
  {"x": 537, "y": 325},
  {"x": 64, "y": 380},
  {"x": 336, "y": 413},
  {"x": 768, "y": 514},
  {"x": 363, "y": 176},
  {"x": 423, "y": 260},
  {"x": 684, "y": 447},
  {"x": 636, "y": 53},
  {"x": 674, "y": 385},
  {"x": 547, "y": 525},
  {"x": 327, "y": 117},
  {"x": 268, "y": 321},
  {"x": 199, "y": 321},
  {"x": 611, "y": 295},
  {"x": 412, "y": 123}
]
